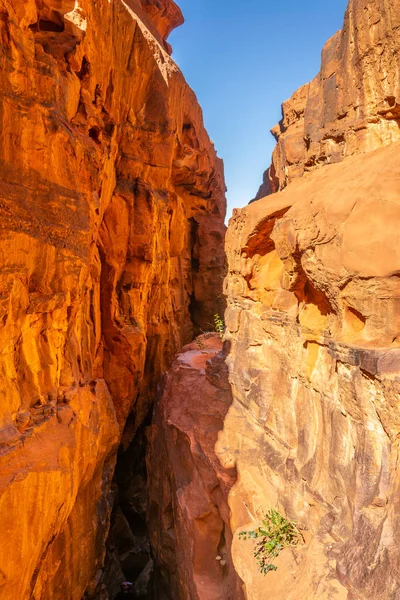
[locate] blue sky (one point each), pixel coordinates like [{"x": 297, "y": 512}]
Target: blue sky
[{"x": 243, "y": 59}]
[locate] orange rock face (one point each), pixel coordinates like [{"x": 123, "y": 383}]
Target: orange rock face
[
  {"x": 111, "y": 229},
  {"x": 188, "y": 511},
  {"x": 352, "y": 106},
  {"x": 314, "y": 324}
]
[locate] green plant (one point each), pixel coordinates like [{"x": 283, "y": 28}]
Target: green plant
[
  {"x": 219, "y": 325},
  {"x": 275, "y": 534},
  {"x": 200, "y": 343}
]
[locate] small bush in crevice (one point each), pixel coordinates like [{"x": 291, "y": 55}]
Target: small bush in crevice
[
  {"x": 275, "y": 534},
  {"x": 219, "y": 325},
  {"x": 199, "y": 343}
]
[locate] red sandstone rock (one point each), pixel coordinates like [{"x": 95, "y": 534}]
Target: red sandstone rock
[
  {"x": 111, "y": 228},
  {"x": 188, "y": 511}
]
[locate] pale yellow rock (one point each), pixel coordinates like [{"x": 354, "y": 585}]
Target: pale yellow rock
[{"x": 314, "y": 421}]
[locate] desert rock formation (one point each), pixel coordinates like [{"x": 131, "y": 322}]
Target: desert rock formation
[
  {"x": 313, "y": 323},
  {"x": 312, "y": 343},
  {"x": 353, "y": 104},
  {"x": 111, "y": 245},
  {"x": 310, "y": 418},
  {"x": 314, "y": 326},
  {"x": 189, "y": 517},
  {"x": 111, "y": 228}
]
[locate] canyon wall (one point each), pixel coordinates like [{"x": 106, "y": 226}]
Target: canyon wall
[
  {"x": 353, "y": 104},
  {"x": 300, "y": 412},
  {"x": 313, "y": 322},
  {"x": 111, "y": 229},
  {"x": 312, "y": 346},
  {"x": 313, "y": 326}
]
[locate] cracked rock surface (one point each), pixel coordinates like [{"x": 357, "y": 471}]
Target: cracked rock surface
[
  {"x": 313, "y": 322},
  {"x": 111, "y": 229}
]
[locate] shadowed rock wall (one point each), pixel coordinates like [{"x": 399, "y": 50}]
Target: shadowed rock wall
[
  {"x": 111, "y": 229},
  {"x": 189, "y": 517}
]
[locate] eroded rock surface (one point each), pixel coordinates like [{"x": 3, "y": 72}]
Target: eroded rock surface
[
  {"x": 111, "y": 229},
  {"x": 313, "y": 350},
  {"x": 189, "y": 517},
  {"x": 314, "y": 326},
  {"x": 353, "y": 104}
]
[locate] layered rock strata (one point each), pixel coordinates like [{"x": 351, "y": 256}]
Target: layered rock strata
[
  {"x": 111, "y": 223},
  {"x": 314, "y": 326},
  {"x": 188, "y": 516},
  {"x": 352, "y": 106}
]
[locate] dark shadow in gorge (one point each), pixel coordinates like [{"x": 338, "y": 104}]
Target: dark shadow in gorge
[
  {"x": 148, "y": 505},
  {"x": 128, "y": 554}
]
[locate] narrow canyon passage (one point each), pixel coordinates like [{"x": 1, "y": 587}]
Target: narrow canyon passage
[
  {"x": 129, "y": 554},
  {"x": 166, "y": 383},
  {"x": 111, "y": 237},
  {"x": 171, "y": 518}
]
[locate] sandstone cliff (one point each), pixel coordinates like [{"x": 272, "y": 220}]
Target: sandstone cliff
[
  {"x": 313, "y": 324},
  {"x": 111, "y": 229},
  {"x": 352, "y": 106},
  {"x": 314, "y": 327},
  {"x": 313, "y": 351}
]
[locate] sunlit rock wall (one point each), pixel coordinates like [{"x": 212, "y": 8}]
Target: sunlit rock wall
[
  {"x": 313, "y": 323},
  {"x": 353, "y": 104},
  {"x": 111, "y": 229}
]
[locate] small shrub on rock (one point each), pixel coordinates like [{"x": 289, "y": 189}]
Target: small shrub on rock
[
  {"x": 219, "y": 325},
  {"x": 275, "y": 534}
]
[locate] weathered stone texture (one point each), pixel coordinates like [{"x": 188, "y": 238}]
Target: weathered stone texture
[
  {"x": 188, "y": 511},
  {"x": 314, "y": 325},
  {"x": 313, "y": 350},
  {"x": 111, "y": 229},
  {"x": 353, "y": 104}
]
